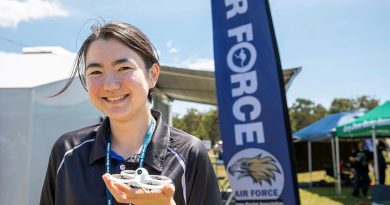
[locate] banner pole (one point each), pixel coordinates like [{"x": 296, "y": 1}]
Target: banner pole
[
  {"x": 334, "y": 166},
  {"x": 253, "y": 113},
  {"x": 376, "y": 165},
  {"x": 338, "y": 167}
]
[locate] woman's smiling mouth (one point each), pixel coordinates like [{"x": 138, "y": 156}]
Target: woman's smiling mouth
[{"x": 116, "y": 98}]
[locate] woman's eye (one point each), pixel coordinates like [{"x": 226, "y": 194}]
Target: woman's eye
[
  {"x": 94, "y": 73},
  {"x": 124, "y": 68}
]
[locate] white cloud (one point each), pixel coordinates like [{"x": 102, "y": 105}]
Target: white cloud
[
  {"x": 169, "y": 43},
  {"x": 15, "y": 11},
  {"x": 199, "y": 64},
  {"x": 171, "y": 49}
]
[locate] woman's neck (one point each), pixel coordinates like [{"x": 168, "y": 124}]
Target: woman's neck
[{"x": 128, "y": 136}]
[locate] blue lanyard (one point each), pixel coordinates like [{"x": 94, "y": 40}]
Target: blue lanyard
[{"x": 147, "y": 139}]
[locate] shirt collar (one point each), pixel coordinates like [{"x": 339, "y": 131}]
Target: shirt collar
[{"x": 155, "y": 153}]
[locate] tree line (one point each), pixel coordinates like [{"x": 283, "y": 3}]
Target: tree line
[{"x": 302, "y": 112}]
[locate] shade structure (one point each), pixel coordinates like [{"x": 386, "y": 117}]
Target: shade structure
[
  {"x": 199, "y": 85},
  {"x": 375, "y": 123},
  {"x": 378, "y": 119},
  {"x": 325, "y": 127}
]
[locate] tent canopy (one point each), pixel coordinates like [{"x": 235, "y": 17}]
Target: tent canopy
[
  {"x": 378, "y": 119},
  {"x": 198, "y": 85},
  {"x": 325, "y": 127}
]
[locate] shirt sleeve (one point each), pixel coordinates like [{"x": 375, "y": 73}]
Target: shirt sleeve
[
  {"x": 203, "y": 185},
  {"x": 49, "y": 184}
]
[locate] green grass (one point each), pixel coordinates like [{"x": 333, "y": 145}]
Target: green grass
[{"x": 327, "y": 195}]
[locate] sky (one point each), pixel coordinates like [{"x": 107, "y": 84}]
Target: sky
[{"x": 343, "y": 46}]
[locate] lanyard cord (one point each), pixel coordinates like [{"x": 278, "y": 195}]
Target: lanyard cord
[{"x": 147, "y": 139}]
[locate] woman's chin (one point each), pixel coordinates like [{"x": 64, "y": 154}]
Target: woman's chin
[{"x": 118, "y": 116}]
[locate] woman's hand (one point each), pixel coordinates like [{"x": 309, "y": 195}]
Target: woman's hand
[{"x": 127, "y": 195}]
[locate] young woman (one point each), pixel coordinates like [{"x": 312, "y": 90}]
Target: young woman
[{"x": 118, "y": 67}]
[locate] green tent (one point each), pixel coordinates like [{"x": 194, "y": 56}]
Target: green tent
[
  {"x": 375, "y": 123},
  {"x": 377, "y": 120}
]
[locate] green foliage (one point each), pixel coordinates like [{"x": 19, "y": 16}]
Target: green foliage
[
  {"x": 341, "y": 104},
  {"x": 346, "y": 104},
  {"x": 304, "y": 112},
  {"x": 189, "y": 122},
  {"x": 366, "y": 102},
  {"x": 202, "y": 125},
  {"x": 210, "y": 122}
]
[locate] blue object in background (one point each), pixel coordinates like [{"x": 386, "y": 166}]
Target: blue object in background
[
  {"x": 253, "y": 113},
  {"x": 325, "y": 127}
]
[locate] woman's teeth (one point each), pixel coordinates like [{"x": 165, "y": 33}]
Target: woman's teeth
[{"x": 116, "y": 98}]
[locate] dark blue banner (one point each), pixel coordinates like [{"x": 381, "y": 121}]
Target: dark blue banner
[{"x": 252, "y": 106}]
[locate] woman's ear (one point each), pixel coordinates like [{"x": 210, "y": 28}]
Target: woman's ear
[{"x": 154, "y": 72}]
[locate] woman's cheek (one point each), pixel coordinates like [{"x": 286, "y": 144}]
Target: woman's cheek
[{"x": 93, "y": 84}]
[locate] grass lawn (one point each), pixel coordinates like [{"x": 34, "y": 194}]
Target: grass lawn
[
  {"x": 314, "y": 195},
  {"x": 327, "y": 195}
]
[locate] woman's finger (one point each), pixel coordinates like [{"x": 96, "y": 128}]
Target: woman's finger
[
  {"x": 168, "y": 190},
  {"x": 131, "y": 192},
  {"x": 125, "y": 194},
  {"x": 113, "y": 188}
]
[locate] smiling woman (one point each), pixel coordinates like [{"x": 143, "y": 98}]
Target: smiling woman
[
  {"x": 118, "y": 81},
  {"x": 117, "y": 66}
]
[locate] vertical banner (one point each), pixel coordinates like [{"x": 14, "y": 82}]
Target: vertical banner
[{"x": 252, "y": 106}]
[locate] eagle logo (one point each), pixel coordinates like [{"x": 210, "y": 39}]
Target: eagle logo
[{"x": 258, "y": 168}]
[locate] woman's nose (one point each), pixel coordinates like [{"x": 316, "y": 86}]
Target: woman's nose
[{"x": 111, "y": 82}]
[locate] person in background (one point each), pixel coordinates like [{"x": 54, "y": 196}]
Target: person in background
[
  {"x": 360, "y": 160},
  {"x": 218, "y": 150},
  {"x": 381, "y": 147}
]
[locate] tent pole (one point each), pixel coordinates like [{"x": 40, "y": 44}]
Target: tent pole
[
  {"x": 310, "y": 163},
  {"x": 334, "y": 162},
  {"x": 338, "y": 167},
  {"x": 375, "y": 156}
]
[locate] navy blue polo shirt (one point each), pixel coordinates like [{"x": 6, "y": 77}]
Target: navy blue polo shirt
[{"x": 77, "y": 163}]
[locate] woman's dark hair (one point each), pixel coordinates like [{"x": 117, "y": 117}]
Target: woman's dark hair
[{"x": 127, "y": 34}]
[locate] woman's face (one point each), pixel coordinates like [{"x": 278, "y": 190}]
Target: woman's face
[{"x": 117, "y": 80}]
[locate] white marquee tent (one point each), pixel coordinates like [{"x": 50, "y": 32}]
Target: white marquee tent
[{"x": 30, "y": 121}]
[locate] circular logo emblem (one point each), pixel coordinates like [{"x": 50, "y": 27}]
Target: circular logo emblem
[
  {"x": 241, "y": 57},
  {"x": 255, "y": 174},
  {"x": 122, "y": 167}
]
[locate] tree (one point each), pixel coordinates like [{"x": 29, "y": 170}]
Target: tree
[
  {"x": 202, "y": 125},
  {"x": 346, "y": 104},
  {"x": 190, "y": 122},
  {"x": 210, "y": 124},
  {"x": 341, "y": 105},
  {"x": 304, "y": 112},
  {"x": 366, "y": 102}
]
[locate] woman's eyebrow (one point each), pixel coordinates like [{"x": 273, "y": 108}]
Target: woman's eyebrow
[
  {"x": 115, "y": 63},
  {"x": 91, "y": 65},
  {"x": 120, "y": 61}
]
